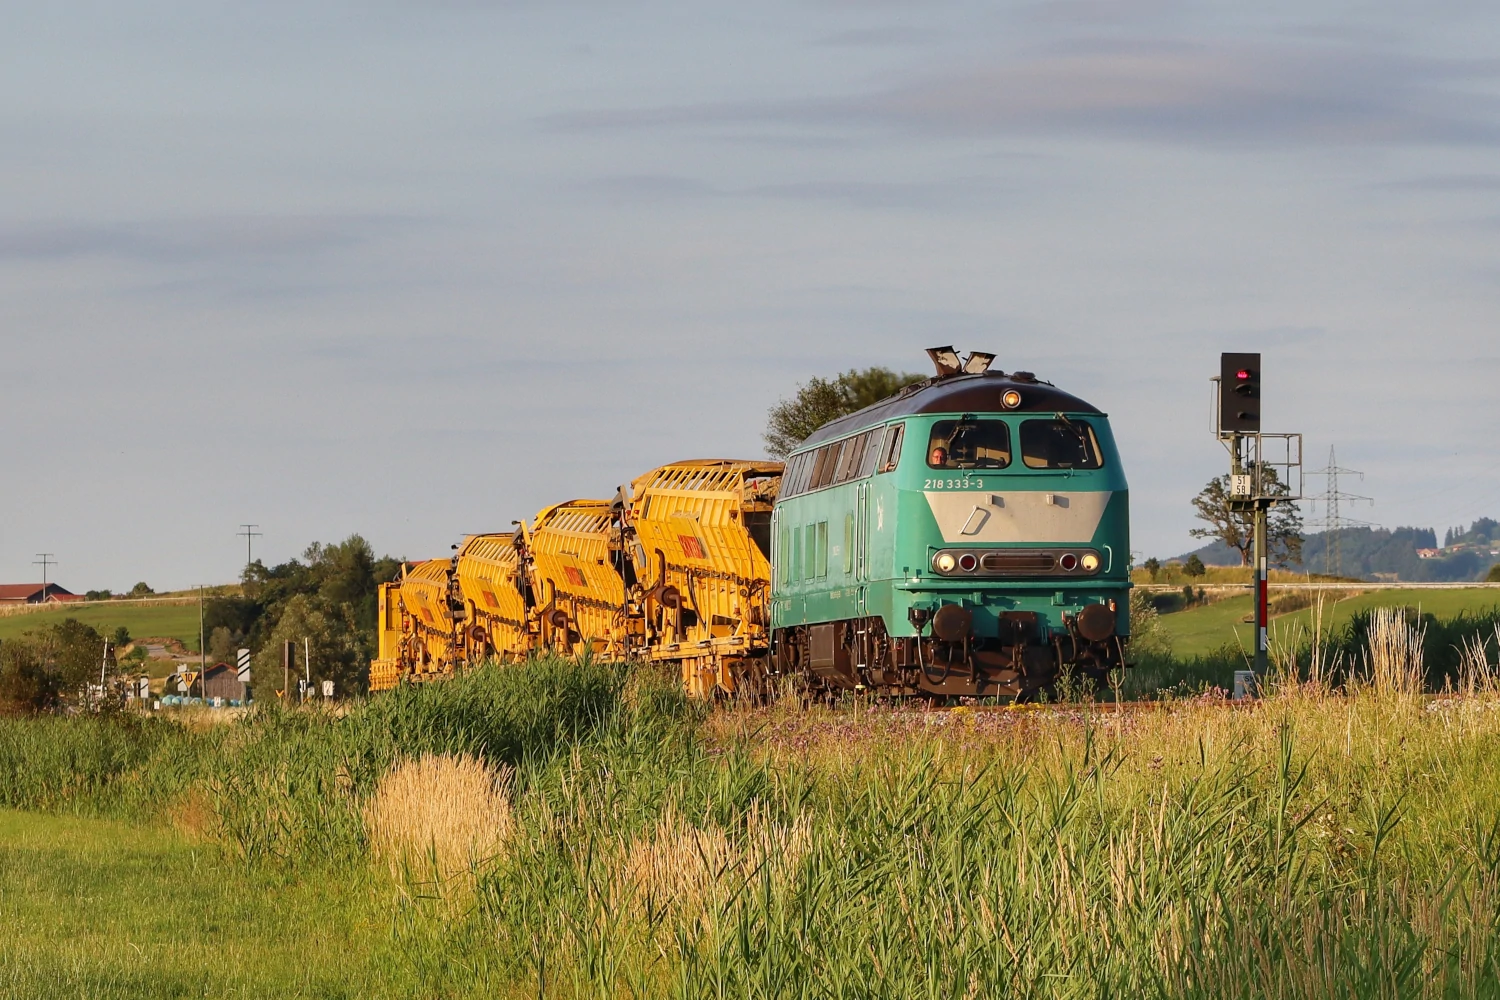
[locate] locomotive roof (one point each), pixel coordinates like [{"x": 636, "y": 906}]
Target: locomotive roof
[{"x": 956, "y": 394}]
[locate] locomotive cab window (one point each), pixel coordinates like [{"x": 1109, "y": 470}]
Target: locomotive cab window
[
  {"x": 1059, "y": 443},
  {"x": 969, "y": 444},
  {"x": 890, "y": 451}
]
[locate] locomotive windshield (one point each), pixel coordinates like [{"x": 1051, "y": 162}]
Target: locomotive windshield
[
  {"x": 969, "y": 444},
  {"x": 1059, "y": 443}
]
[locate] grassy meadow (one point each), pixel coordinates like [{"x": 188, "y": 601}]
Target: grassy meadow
[
  {"x": 1203, "y": 629},
  {"x": 562, "y": 829},
  {"x": 144, "y": 620}
]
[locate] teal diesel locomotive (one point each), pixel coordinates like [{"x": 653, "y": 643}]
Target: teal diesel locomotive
[{"x": 969, "y": 536}]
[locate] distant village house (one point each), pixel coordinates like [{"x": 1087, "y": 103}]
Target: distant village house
[
  {"x": 223, "y": 681},
  {"x": 35, "y": 593}
]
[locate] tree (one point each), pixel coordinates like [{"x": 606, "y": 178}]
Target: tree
[
  {"x": 330, "y": 591},
  {"x": 340, "y": 652},
  {"x": 1152, "y": 566},
  {"x": 43, "y": 668},
  {"x": 121, "y": 637},
  {"x": 140, "y": 590},
  {"x": 1194, "y": 566},
  {"x": 221, "y": 645},
  {"x": 1236, "y": 529},
  {"x": 1494, "y": 575},
  {"x": 1148, "y": 636},
  {"x": 819, "y": 400}
]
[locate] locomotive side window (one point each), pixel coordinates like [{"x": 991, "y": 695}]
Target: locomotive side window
[
  {"x": 873, "y": 441},
  {"x": 839, "y": 462},
  {"x": 969, "y": 444},
  {"x": 805, "y": 469},
  {"x": 823, "y": 468},
  {"x": 795, "y": 480},
  {"x": 854, "y": 454},
  {"x": 890, "y": 452},
  {"x": 1059, "y": 443}
]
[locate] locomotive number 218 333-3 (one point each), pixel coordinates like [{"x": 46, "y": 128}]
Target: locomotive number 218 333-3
[{"x": 953, "y": 484}]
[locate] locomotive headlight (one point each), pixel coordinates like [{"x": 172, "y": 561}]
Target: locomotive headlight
[
  {"x": 944, "y": 562},
  {"x": 1089, "y": 562},
  {"x": 1010, "y": 399}
]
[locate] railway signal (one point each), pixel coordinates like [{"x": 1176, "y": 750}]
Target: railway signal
[
  {"x": 1239, "y": 396},
  {"x": 1254, "y": 483}
]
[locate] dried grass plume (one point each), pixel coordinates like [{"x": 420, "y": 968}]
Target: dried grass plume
[{"x": 451, "y": 812}]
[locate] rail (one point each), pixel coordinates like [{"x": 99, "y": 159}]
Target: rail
[{"x": 1342, "y": 585}]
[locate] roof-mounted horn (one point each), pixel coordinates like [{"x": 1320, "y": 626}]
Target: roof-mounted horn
[{"x": 945, "y": 359}]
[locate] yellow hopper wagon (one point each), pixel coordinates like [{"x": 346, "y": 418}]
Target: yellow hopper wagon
[
  {"x": 391, "y": 632},
  {"x": 700, "y": 534},
  {"x": 420, "y": 637},
  {"x": 581, "y": 579},
  {"x": 492, "y": 581}
]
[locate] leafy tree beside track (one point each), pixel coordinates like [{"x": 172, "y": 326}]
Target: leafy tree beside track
[{"x": 819, "y": 400}]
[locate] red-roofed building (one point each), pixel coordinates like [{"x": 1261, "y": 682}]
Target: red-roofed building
[{"x": 35, "y": 593}]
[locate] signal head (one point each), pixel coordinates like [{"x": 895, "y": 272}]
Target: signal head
[{"x": 1239, "y": 393}]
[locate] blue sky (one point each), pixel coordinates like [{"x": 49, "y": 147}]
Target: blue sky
[{"x": 415, "y": 270}]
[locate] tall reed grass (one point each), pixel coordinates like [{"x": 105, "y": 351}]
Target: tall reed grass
[{"x": 1333, "y": 839}]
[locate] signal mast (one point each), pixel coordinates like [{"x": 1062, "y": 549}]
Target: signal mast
[{"x": 1255, "y": 486}]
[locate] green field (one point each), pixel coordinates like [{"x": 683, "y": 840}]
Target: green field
[
  {"x": 98, "y": 908},
  {"x": 1201, "y": 630},
  {"x": 171, "y": 621}
]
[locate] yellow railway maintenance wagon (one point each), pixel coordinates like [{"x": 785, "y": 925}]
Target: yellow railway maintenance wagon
[
  {"x": 700, "y": 535},
  {"x": 581, "y": 579},
  {"x": 418, "y": 637},
  {"x": 492, "y": 582},
  {"x": 387, "y": 669}
]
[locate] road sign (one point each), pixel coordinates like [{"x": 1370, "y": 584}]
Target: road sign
[
  {"x": 242, "y": 661},
  {"x": 328, "y": 689}
]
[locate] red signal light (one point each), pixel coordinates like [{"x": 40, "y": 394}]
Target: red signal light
[{"x": 1242, "y": 373}]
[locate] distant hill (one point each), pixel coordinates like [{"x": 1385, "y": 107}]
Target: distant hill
[{"x": 1371, "y": 553}]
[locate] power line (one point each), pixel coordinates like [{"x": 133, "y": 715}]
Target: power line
[
  {"x": 249, "y": 534},
  {"x": 44, "y": 559},
  {"x": 1332, "y": 522}
]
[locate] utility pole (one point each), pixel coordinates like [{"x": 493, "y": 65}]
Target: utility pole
[
  {"x": 44, "y": 559},
  {"x": 1254, "y": 486},
  {"x": 202, "y": 649},
  {"x": 288, "y": 652},
  {"x": 248, "y": 534},
  {"x": 1332, "y": 524}
]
